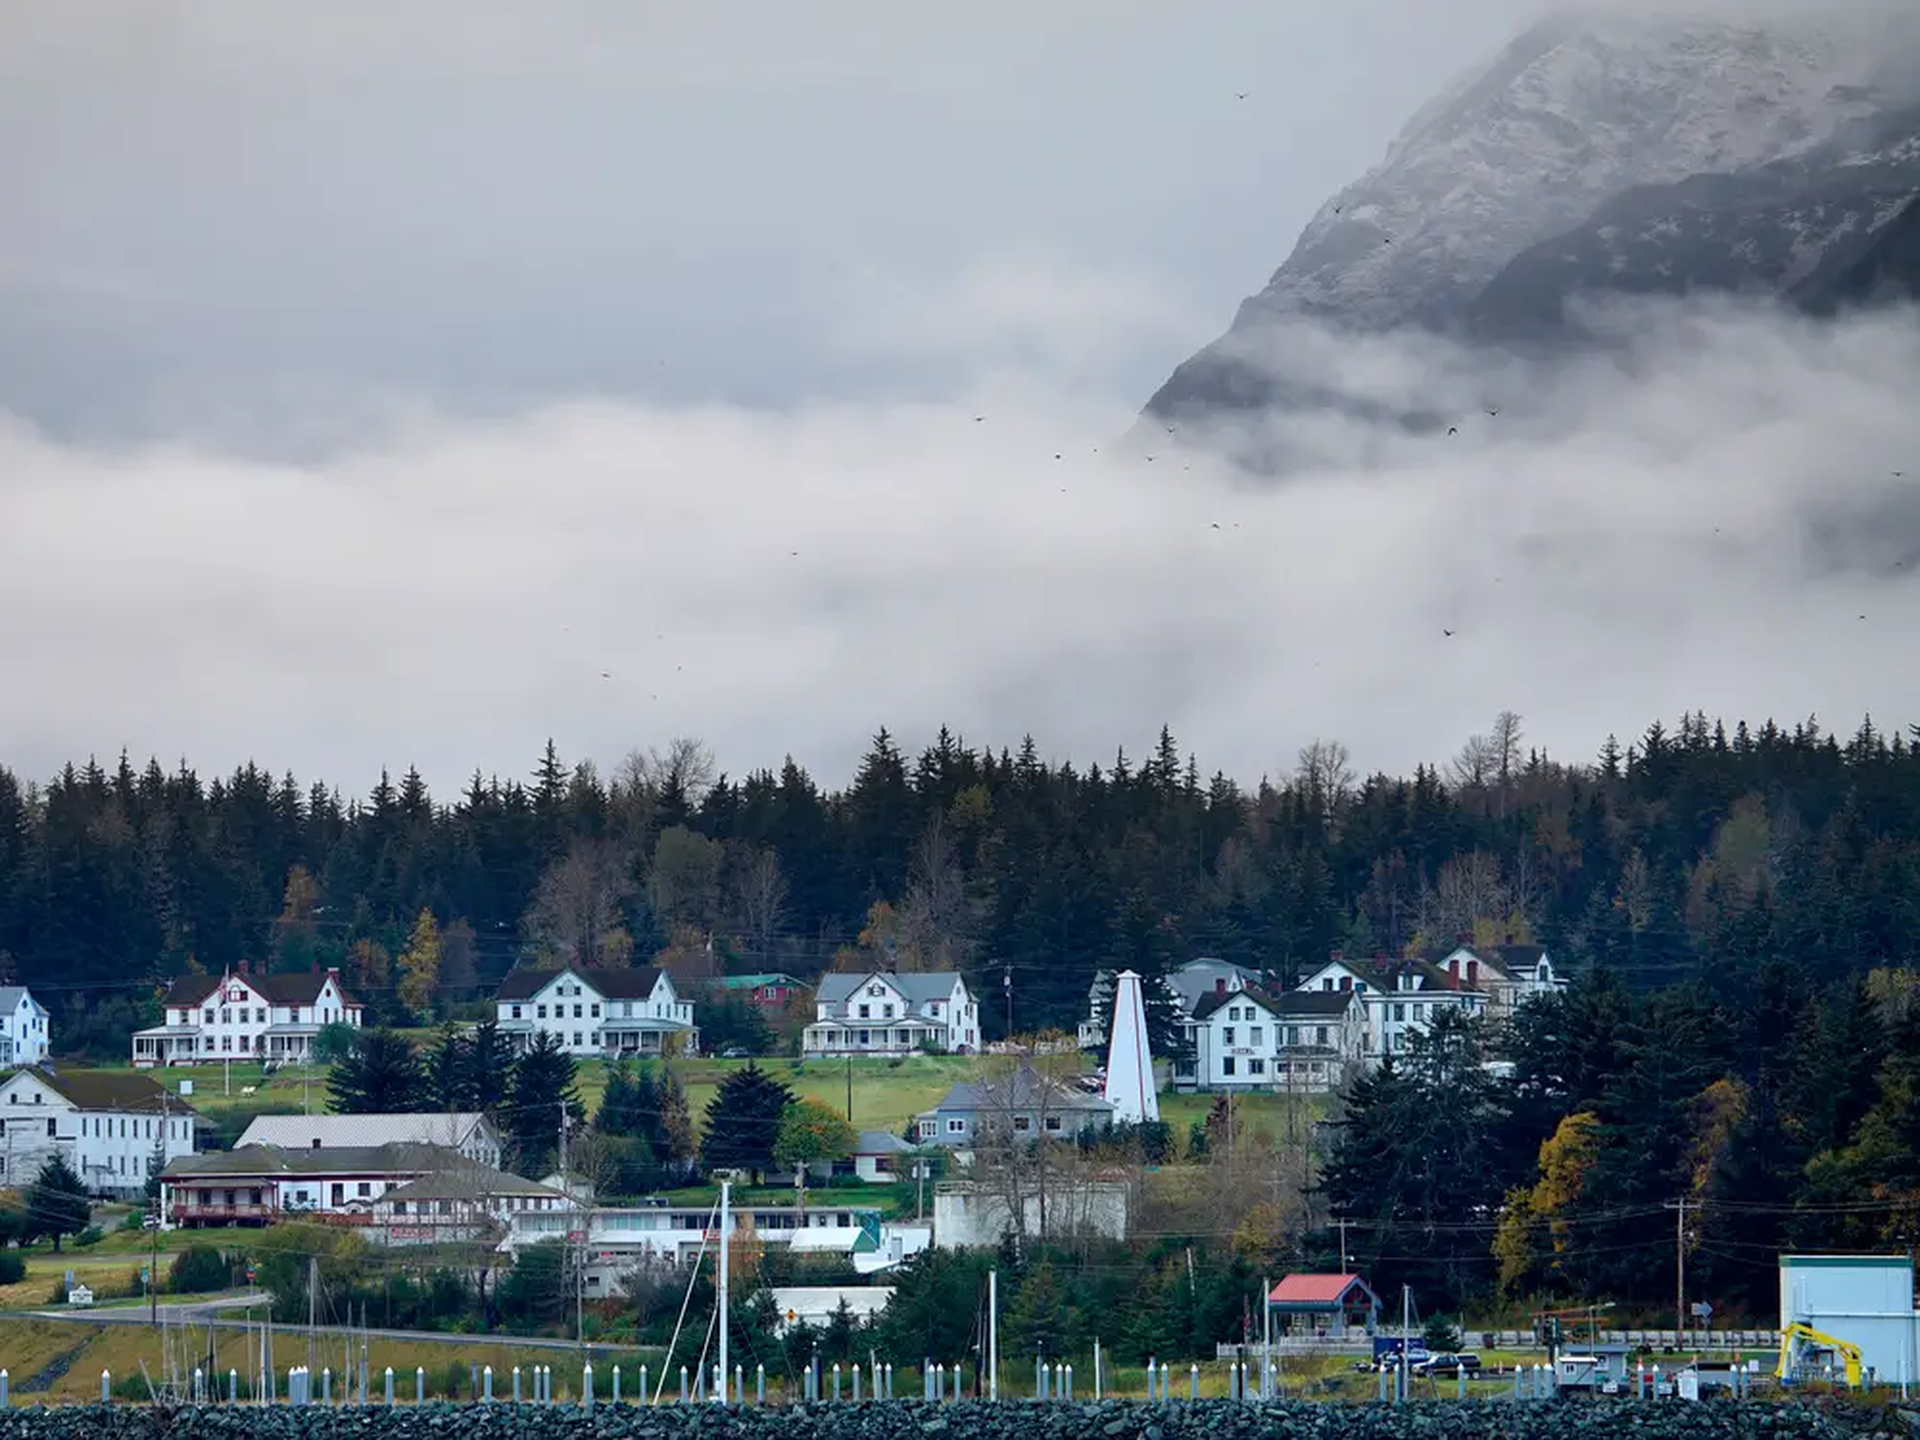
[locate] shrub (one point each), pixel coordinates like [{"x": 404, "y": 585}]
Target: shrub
[
  {"x": 92, "y": 1235},
  {"x": 197, "y": 1270},
  {"x": 13, "y": 1268}
]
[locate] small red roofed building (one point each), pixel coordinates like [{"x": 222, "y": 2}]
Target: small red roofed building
[{"x": 1337, "y": 1307}]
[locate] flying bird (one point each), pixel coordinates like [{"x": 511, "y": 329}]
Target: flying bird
[
  {"x": 606, "y": 675},
  {"x": 1240, "y": 94},
  {"x": 1446, "y": 632},
  {"x": 1216, "y": 524},
  {"x": 1493, "y": 412},
  {"x": 1453, "y": 429}
]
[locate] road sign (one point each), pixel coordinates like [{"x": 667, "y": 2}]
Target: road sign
[{"x": 1701, "y": 1310}]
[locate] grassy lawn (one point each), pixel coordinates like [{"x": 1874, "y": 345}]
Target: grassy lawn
[{"x": 886, "y": 1093}]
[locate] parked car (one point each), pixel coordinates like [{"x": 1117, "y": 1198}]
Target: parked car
[{"x": 1448, "y": 1364}]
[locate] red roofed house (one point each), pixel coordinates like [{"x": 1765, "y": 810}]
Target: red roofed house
[{"x": 1338, "y": 1306}]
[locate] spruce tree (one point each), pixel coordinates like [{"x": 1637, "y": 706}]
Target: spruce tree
[
  {"x": 380, "y": 1076},
  {"x": 57, "y": 1202},
  {"x": 542, "y": 1084},
  {"x": 743, "y": 1122}
]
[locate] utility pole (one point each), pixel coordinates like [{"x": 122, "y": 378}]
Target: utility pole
[
  {"x": 1006, "y": 983},
  {"x": 726, "y": 1215},
  {"x": 577, "y": 1249},
  {"x": 313, "y": 1302},
  {"x": 993, "y": 1334},
  {"x": 1343, "y": 1245},
  {"x": 1679, "y": 1207},
  {"x": 153, "y": 1255},
  {"x": 849, "y": 1087}
]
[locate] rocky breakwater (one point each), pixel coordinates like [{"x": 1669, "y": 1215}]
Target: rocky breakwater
[{"x": 1023, "y": 1420}]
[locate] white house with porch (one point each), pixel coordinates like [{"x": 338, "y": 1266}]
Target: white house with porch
[
  {"x": 885, "y": 1013},
  {"x": 595, "y": 1011},
  {"x": 245, "y": 1015}
]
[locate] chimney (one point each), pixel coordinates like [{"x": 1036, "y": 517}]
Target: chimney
[
  {"x": 1220, "y": 988},
  {"x": 1473, "y": 974},
  {"x": 1337, "y": 955}
]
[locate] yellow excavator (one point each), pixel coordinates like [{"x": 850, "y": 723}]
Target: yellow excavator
[{"x": 1797, "y": 1338}]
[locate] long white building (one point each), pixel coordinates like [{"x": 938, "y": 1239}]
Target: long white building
[
  {"x": 470, "y": 1133},
  {"x": 109, "y": 1127}
]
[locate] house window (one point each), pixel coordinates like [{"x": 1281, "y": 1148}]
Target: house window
[
  {"x": 540, "y": 1012},
  {"x": 594, "y": 1011},
  {"x": 1021, "y": 1124},
  {"x": 1053, "y": 1124},
  {"x": 209, "y": 1017},
  {"x": 576, "y": 1038},
  {"x": 1226, "y": 1066},
  {"x": 1229, "y": 1035},
  {"x": 1256, "y": 1067},
  {"x": 516, "y": 1012},
  {"x": 866, "y": 1012},
  {"x": 956, "y": 1127},
  {"x": 576, "y": 1012},
  {"x": 1256, "y": 1035},
  {"x": 1320, "y": 1035},
  {"x": 1399, "y": 1012},
  {"x": 363, "y": 1188}
]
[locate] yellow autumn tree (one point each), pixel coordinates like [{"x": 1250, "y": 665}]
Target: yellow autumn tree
[
  {"x": 1536, "y": 1227},
  {"x": 420, "y": 964}
]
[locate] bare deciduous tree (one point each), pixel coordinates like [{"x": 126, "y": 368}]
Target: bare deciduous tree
[
  {"x": 1468, "y": 890},
  {"x": 1477, "y": 765},
  {"x": 937, "y": 920},
  {"x": 1325, "y": 772},
  {"x": 1507, "y": 755},
  {"x": 758, "y": 899},
  {"x": 576, "y": 910},
  {"x": 686, "y": 764}
]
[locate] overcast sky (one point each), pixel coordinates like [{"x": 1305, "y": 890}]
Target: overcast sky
[{"x": 407, "y": 382}]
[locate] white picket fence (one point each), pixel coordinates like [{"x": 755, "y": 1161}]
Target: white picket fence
[{"x": 1659, "y": 1341}]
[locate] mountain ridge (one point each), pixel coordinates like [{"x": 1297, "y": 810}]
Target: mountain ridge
[{"x": 1527, "y": 152}]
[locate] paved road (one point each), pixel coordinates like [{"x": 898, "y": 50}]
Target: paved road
[{"x": 216, "y": 1313}]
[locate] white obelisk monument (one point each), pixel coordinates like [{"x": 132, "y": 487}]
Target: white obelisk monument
[{"x": 1129, "y": 1062}]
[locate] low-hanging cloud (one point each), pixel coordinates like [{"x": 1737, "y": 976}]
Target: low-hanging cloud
[{"x": 1710, "y": 521}]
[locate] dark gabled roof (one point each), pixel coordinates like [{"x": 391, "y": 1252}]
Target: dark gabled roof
[
  {"x": 297, "y": 987},
  {"x": 190, "y": 990},
  {"x": 524, "y": 982},
  {"x": 1022, "y": 1089},
  {"x": 468, "y": 1182},
  {"x": 332, "y": 1160},
  {"x": 112, "y": 1090},
  {"x": 1317, "y": 1002},
  {"x": 1212, "y": 1001}
]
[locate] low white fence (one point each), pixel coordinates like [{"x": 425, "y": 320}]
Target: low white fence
[{"x": 1571, "y": 1342}]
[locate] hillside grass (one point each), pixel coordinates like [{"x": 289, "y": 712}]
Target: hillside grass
[{"x": 886, "y": 1093}]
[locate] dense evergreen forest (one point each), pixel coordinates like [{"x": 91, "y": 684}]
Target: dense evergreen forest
[
  {"x": 1740, "y": 905},
  {"x": 1686, "y": 854}
]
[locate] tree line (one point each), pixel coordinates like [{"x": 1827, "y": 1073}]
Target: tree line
[{"x": 1676, "y": 856}]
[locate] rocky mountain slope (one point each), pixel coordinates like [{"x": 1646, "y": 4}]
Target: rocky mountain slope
[{"x": 1635, "y": 155}]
